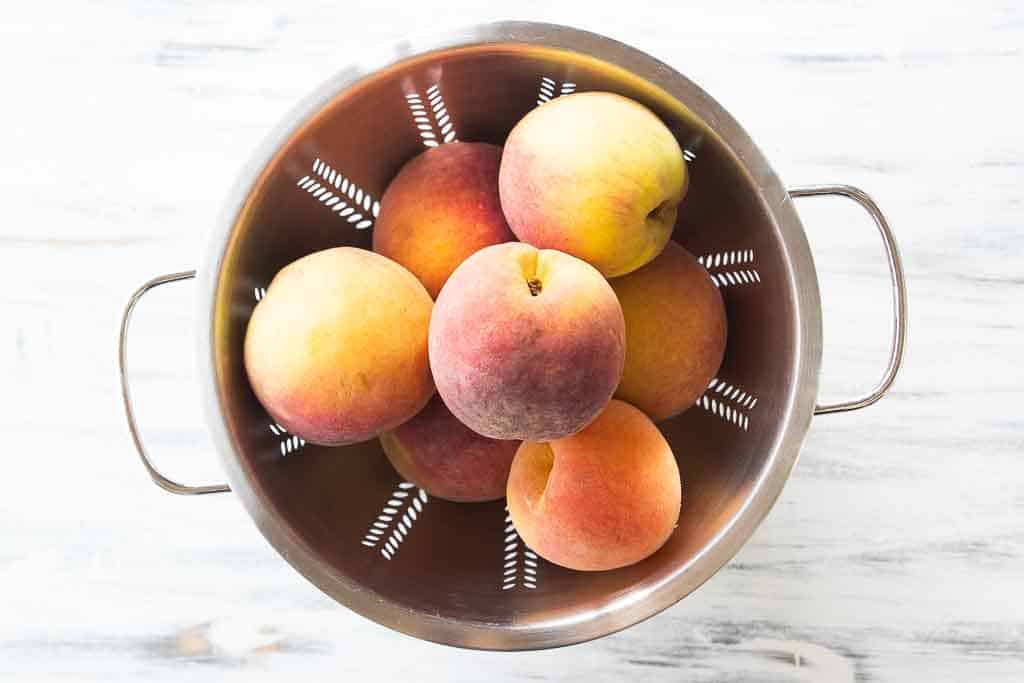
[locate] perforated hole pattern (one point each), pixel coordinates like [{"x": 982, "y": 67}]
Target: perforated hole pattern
[{"x": 358, "y": 209}]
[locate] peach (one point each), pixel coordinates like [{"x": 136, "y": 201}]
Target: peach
[
  {"x": 440, "y": 208},
  {"x": 526, "y": 343},
  {"x": 448, "y": 459},
  {"x": 604, "y": 498},
  {"x": 336, "y": 350},
  {"x": 675, "y": 333},
  {"x": 595, "y": 175}
]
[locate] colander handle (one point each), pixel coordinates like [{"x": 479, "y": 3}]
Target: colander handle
[
  {"x": 899, "y": 293},
  {"x": 158, "y": 478}
]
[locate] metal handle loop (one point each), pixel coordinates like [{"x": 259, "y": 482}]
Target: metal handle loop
[
  {"x": 158, "y": 478},
  {"x": 899, "y": 293}
]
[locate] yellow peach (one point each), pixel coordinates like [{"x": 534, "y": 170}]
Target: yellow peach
[
  {"x": 604, "y": 498},
  {"x": 526, "y": 343},
  {"x": 440, "y": 208},
  {"x": 448, "y": 459},
  {"x": 675, "y": 333},
  {"x": 595, "y": 175},
  {"x": 336, "y": 350}
]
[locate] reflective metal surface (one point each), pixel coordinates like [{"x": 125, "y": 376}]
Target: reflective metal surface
[
  {"x": 444, "y": 577},
  {"x": 899, "y": 293},
  {"x": 158, "y": 478}
]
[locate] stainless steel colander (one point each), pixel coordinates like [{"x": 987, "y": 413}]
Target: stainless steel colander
[{"x": 457, "y": 573}]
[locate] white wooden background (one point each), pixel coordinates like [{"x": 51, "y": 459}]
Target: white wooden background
[{"x": 897, "y": 549}]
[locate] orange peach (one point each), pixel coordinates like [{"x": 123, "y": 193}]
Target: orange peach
[
  {"x": 604, "y": 498},
  {"x": 440, "y": 208},
  {"x": 448, "y": 459},
  {"x": 675, "y": 333},
  {"x": 526, "y": 343},
  {"x": 595, "y": 175},
  {"x": 337, "y": 349}
]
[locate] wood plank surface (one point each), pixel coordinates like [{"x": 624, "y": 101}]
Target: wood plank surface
[{"x": 896, "y": 552}]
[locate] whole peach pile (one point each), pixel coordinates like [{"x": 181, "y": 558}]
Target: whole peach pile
[{"x": 536, "y": 288}]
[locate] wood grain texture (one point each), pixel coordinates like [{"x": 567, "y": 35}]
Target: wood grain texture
[{"x": 896, "y": 550}]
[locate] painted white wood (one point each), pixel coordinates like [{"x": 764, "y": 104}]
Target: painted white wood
[{"x": 896, "y": 551}]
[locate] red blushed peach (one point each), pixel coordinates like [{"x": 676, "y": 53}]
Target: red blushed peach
[
  {"x": 448, "y": 459},
  {"x": 675, "y": 333},
  {"x": 595, "y": 175},
  {"x": 440, "y": 208},
  {"x": 526, "y": 344},
  {"x": 337, "y": 349},
  {"x": 604, "y": 498}
]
